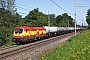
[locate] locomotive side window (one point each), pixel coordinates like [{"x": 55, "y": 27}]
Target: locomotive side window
[{"x": 19, "y": 31}]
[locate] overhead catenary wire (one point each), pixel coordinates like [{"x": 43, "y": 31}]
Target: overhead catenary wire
[
  {"x": 67, "y": 5},
  {"x": 24, "y": 5},
  {"x": 32, "y": 7},
  {"x": 60, "y": 7},
  {"x": 22, "y": 13},
  {"x": 22, "y": 8},
  {"x": 40, "y": 9},
  {"x": 69, "y": 8}
]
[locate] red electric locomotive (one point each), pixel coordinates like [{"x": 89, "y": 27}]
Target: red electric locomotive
[{"x": 24, "y": 34}]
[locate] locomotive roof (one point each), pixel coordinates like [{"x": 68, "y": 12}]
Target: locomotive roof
[{"x": 31, "y": 28}]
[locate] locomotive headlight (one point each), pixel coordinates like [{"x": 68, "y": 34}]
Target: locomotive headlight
[
  {"x": 55, "y": 33},
  {"x": 22, "y": 35}
]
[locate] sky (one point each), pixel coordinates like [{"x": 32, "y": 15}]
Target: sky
[{"x": 68, "y": 6}]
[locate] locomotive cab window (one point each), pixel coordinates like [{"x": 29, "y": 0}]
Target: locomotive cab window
[{"x": 19, "y": 31}]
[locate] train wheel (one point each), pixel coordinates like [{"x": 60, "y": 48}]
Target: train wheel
[
  {"x": 18, "y": 43},
  {"x": 38, "y": 38},
  {"x": 42, "y": 38},
  {"x": 46, "y": 36}
]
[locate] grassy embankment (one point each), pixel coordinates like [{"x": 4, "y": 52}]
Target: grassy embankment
[{"x": 76, "y": 48}]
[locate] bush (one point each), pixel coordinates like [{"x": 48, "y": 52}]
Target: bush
[
  {"x": 89, "y": 26},
  {"x": 5, "y": 36}
]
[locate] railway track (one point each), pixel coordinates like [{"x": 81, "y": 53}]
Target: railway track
[
  {"x": 10, "y": 52},
  {"x": 7, "y": 47}
]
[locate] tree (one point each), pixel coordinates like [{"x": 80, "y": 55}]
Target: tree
[
  {"x": 59, "y": 20},
  {"x": 64, "y": 20},
  {"x": 7, "y": 4},
  {"x": 5, "y": 33},
  {"x": 17, "y": 19},
  {"x": 88, "y": 16},
  {"x": 7, "y": 19},
  {"x": 71, "y": 21},
  {"x": 36, "y": 18},
  {"x": 52, "y": 20},
  {"x": 7, "y": 23},
  {"x": 2, "y": 4}
]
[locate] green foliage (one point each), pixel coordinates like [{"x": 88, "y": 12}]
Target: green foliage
[
  {"x": 52, "y": 20},
  {"x": 88, "y": 26},
  {"x": 88, "y": 17},
  {"x": 7, "y": 23},
  {"x": 62, "y": 20},
  {"x": 7, "y": 4},
  {"x": 36, "y": 18},
  {"x": 59, "y": 20},
  {"x": 7, "y": 19},
  {"x": 5, "y": 36},
  {"x": 76, "y": 48}
]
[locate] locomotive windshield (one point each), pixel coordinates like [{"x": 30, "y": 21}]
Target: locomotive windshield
[{"x": 19, "y": 31}]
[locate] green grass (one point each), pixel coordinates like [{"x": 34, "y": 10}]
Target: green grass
[{"x": 76, "y": 48}]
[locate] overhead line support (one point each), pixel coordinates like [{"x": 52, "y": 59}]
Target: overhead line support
[{"x": 75, "y": 22}]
